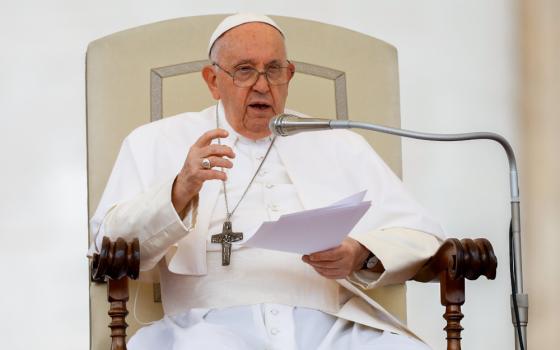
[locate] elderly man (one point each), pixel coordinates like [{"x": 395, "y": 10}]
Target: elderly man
[{"x": 179, "y": 182}]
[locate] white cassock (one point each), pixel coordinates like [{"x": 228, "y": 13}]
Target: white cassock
[{"x": 264, "y": 299}]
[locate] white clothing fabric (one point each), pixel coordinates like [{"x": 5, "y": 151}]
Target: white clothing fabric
[
  {"x": 271, "y": 327},
  {"x": 322, "y": 167},
  {"x": 136, "y": 203},
  {"x": 236, "y": 20}
]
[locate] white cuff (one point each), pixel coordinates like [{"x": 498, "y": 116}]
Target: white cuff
[{"x": 402, "y": 252}]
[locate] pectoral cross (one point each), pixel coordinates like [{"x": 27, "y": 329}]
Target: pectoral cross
[{"x": 226, "y": 238}]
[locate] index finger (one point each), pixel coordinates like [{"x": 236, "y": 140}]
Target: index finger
[{"x": 210, "y": 135}]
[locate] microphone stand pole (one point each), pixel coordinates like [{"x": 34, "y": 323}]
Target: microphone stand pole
[{"x": 519, "y": 300}]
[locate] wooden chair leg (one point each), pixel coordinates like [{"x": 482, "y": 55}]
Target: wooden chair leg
[
  {"x": 117, "y": 295},
  {"x": 453, "y": 316},
  {"x": 452, "y": 297}
]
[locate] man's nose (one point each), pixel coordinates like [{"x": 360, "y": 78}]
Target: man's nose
[{"x": 261, "y": 85}]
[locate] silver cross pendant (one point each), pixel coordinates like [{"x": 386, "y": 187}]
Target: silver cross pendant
[{"x": 225, "y": 239}]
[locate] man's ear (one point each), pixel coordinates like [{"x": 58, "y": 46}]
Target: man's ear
[
  {"x": 292, "y": 70},
  {"x": 209, "y": 76}
]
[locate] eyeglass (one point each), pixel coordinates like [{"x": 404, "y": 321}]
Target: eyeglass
[{"x": 246, "y": 76}]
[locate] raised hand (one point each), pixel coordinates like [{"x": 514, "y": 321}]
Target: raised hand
[{"x": 198, "y": 167}]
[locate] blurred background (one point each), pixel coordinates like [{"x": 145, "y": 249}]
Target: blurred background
[{"x": 464, "y": 66}]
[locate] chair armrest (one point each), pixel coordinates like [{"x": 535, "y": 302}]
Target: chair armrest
[
  {"x": 453, "y": 262},
  {"x": 466, "y": 258},
  {"x": 116, "y": 260},
  {"x": 115, "y": 263}
]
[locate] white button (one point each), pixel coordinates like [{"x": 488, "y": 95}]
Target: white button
[
  {"x": 260, "y": 157},
  {"x": 274, "y": 331},
  {"x": 269, "y": 186},
  {"x": 273, "y": 207},
  {"x": 274, "y": 312},
  {"x": 262, "y": 172}
]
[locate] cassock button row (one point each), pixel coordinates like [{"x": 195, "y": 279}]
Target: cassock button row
[
  {"x": 274, "y": 312},
  {"x": 274, "y": 331}
]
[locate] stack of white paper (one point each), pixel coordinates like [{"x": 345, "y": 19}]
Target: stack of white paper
[{"x": 311, "y": 231}]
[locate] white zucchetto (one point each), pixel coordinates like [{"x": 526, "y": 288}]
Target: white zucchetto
[{"x": 237, "y": 20}]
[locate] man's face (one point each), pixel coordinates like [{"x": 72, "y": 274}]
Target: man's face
[{"x": 249, "y": 109}]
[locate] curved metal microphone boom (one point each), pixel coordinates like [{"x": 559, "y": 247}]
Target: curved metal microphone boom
[{"x": 288, "y": 124}]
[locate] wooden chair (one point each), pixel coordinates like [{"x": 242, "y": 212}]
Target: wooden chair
[
  {"x": 150, "y": 72},
  {"x": 454, "y": 262}
]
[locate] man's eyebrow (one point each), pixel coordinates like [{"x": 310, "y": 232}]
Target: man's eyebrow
[
  {"x": 252, "y": 63},
  {"x": 242, "y": 62},
  {"x": 274, "y": 62}
]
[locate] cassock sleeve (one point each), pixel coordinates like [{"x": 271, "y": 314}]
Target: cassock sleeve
[
  {"x": 402, "y": 252},
  {"x": 130, "y": 210}
]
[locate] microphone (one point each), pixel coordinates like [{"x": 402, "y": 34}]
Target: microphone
[{"x": 288, "y": 124}]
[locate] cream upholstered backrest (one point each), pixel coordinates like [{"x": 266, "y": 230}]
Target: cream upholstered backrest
[{"x": 149, "y": 72}]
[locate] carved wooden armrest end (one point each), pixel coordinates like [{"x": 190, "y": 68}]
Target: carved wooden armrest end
[
  {"x": 116, "y": 260},
  {"x": 116, "y": 263},
  {"x": 466, "y": 258}
]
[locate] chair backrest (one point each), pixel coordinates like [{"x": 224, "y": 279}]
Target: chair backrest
[{"x": 152, "y": 71}]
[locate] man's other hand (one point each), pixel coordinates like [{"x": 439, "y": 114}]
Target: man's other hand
[
  {"x": 191, "y": 177},
  {"x": 338, "y": 262}
]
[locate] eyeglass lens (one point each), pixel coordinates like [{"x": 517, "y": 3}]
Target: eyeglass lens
[{"x": 247, "y": 76}]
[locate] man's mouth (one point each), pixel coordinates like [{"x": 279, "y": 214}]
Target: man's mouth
[{"x": 259, "y": 106}]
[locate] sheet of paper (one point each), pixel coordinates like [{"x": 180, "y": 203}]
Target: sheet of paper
[
  {"x": 312, "y": 230},
  {"x": 353, "y": 199}
]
